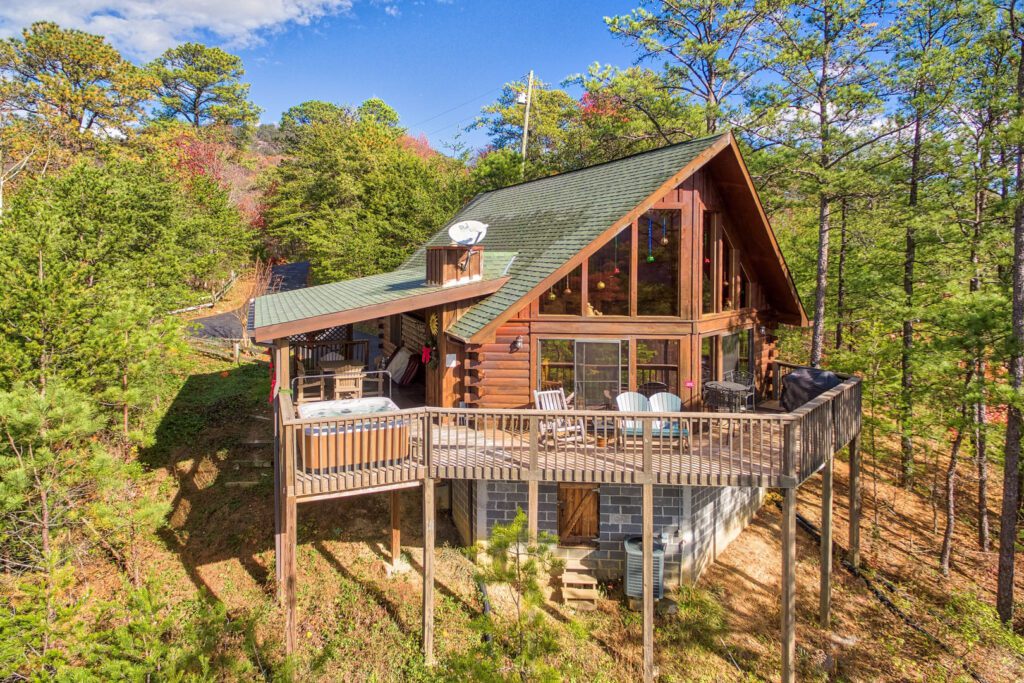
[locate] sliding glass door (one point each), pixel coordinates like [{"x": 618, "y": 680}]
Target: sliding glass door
[
  {"x": 594, "y": 370},
  {"x": 598, "y": 373}
]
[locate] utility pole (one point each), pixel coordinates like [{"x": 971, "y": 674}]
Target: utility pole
[{"x": 526, "y": 123}]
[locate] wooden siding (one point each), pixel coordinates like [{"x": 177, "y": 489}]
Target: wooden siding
[{"x": 497, "y": 376}]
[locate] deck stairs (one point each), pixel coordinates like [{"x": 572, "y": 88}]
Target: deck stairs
[{"x": 579, "y": 588}]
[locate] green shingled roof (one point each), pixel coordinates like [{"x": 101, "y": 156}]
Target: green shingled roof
[
  {"x": 337, "y": 297},
  {"x": 550, "y": 219},
  {"x": 534, "y": 228}
]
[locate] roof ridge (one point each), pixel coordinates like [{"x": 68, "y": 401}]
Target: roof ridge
[{"x": 599, "y": 164}]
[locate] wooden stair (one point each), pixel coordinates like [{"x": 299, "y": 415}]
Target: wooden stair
[{"x": 579, "y": 590}]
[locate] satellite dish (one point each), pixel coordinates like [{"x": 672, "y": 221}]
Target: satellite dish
[{"x": 468, "y": 233}]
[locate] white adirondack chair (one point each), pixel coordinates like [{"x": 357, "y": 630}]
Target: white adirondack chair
[
  {"x": 560, "y": 427},
  {"x": 665, "y": 402},
  {"x": 632, "y": 402}
]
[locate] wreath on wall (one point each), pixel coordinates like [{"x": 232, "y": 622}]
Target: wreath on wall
[{"x": 430, "y": 353}]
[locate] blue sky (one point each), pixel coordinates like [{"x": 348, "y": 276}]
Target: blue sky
[
  {"x": 423, "y": 57},
  {"x": 432, "y": 57}
]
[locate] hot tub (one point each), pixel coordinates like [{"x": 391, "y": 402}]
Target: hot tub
[{"x": 352, "y": 434}]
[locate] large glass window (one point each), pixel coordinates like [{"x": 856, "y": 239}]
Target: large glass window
[
  {"x": 565, "y": 297},
  {"x": 737, "y": 352},
  {"x": 595, "y": 371},
  {"x": 657, "y": 277},
  {"x": 708, "y": 359},
  {"x": 708, "y": 258},
  {"x": 744, "y": 289},
  {"x": 657, "y": 366},
  {"x": 557, "y": 366},
  {"x": 608, "y": 277},
  {"x": 598, "y": 374},
  {"x": 727, "y": 275}
]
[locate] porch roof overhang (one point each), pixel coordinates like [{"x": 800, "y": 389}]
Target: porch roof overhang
[{"x": 341, "y": 303}]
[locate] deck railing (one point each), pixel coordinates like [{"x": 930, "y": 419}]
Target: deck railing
[{"x": 325, "y": 455}]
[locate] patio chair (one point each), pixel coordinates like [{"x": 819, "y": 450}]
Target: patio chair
[
  {"x": 747, "y": 380},
  {"x": 632, "y": 402},
  {"x": 307, "y": 388},
  {"x": 557, "y": 428},
  {"x": 665, "y": 402},
  {"x": 348, "y": 384}
]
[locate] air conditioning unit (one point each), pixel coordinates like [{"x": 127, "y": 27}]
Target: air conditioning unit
[{"x": 635, "y": 568}]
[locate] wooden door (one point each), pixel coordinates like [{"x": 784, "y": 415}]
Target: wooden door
[{"x": 577, "y": 514}]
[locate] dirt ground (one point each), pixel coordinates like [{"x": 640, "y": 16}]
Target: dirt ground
[{"x": 358, "y": 623}]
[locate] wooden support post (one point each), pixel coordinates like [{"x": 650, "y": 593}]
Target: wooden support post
[
  {"x": 282, "y": 371},
  {"x": 428, "y": 571},
  {"x": 531, "y": 511},
  {"x": 290, "y": 570},
  {"x": 648, "y": 583},
  {"x": 789, "y": 585},
  {"x": 825, "y": 592},
  {"x": 396, "y": 527},
  {"x": 855, "y": 502},
  {"x": 532, "y": 493}
]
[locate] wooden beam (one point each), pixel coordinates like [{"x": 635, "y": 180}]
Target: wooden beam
[
  {"x": 648, "y": 584},
  {"x": 428, "y": 571},
  {"x": 855, "y": 502},
  {"x": 290, "y": 573},
  {"x": 532, "y": 511},
  {"x": 396, "y": 528},
  {"x": 825, "y": 591},
  {"x": 789, "y": 586}
]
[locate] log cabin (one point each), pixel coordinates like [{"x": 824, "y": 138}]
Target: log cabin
[{"x": 655, "y": 275}]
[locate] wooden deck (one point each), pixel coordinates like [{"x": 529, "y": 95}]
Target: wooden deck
[{"x": 722, "y": 449}]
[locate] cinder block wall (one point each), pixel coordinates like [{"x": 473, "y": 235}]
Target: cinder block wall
[{"x": 694, "y": 523}]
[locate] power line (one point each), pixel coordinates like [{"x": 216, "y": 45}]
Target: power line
[{"x": 458, "y": 106}]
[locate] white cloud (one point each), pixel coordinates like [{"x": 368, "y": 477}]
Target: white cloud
[
  {"x": 392, "y": 11},
  {"x": 145, "y": 28}
]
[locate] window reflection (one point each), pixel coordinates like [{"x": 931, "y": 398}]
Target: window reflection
[
  {"x": 565, "y": 297},
  {"x": 608, "y": 277},
  {"x": 657, "y": 286}
]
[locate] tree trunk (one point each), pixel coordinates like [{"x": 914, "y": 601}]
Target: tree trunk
[
  {"x": 980, "y": 411},
  {"x": 1011, "y": 459},
  {"x": 841, "y": 276},
  {"x": 907, "y": 348},
  {"x": 947, "y": 538},
  {"x": 818, "y": 334}
]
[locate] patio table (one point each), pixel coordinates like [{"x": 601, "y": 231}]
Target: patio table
[{"x": 729, "y": 395}]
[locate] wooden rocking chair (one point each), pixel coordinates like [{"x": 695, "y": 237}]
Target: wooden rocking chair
[{"x": 558, "y": 428}]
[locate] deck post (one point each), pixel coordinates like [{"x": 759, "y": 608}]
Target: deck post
[
  {"x": 290, "y": 570},
  {"x": 428, "y": 571},
  {"x": 396, "y": 528},
  {"x": 789, "y": 585},
  {"x": 855, "y": 502},
  {"x": 825, "y": 592},
  {"x": 532, "y": 509},
  {"x": 648, "y": 583},
  {"x": 532, "y": 485},
  {"x": 279, "y": 356}
]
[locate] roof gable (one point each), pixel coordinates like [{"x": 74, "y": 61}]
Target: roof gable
[{"x": 549, "y": 221}]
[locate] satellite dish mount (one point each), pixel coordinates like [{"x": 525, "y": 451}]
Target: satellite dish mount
[{"x": 467, "y": 234}]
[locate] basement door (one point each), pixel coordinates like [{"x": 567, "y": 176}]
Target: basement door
[{"x": 577, "y": 514}]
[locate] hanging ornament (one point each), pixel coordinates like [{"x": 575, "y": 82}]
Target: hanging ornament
[
  {"x": 650, "y": 240},
  {"x": 552, "y": 296},
  {"x": 568, "y": 290},
  {"x": 615, "y": 260},
  {"x": 600, "y": 284},
  {"x": 664, "y": 237}
]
